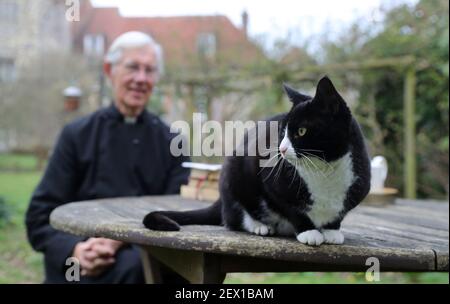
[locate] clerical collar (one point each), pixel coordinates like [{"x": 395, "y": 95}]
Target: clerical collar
[
  {"x": 130, "y": 120},
  {"x": 115, "y": 114}
]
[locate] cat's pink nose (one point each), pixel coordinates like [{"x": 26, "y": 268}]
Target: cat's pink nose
[{"x": 283, "y": 150}]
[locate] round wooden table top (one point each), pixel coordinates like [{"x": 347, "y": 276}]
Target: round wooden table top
[{"x": 409, "y": 235}]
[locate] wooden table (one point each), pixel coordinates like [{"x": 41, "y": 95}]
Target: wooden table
[{"x": 407, "y": 236}]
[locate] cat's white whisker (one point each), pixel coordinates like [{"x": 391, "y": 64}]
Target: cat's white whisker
[
  {"x": 277, "y": 175},
  {"x": 294, "y": 174},
  {"x": 329, "y": 168},
  {"x": 315, "y": 166},
  {"x": 278, "y": 154},
  {"x": 299, "y": 184},
  {"x": 313, "y": 155},
  {"x": 274, "y": 166},
  {"x": 270, "y": 173}
]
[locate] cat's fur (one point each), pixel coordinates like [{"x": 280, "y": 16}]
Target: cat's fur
[{"x": 320, "y": 177}]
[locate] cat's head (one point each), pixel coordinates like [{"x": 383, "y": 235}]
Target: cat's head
[{"x": 316, "y": 126}]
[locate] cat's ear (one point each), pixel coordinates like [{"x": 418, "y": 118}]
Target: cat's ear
[
  {"x": 327, "y": 97},
  {"x": 294, "y": 96}
]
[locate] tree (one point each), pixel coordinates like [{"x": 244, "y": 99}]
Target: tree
[
  {"x": 421, "y": 31},
  {"x": 32, "y": 106}
]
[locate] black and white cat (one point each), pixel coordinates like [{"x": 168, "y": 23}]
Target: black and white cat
[{"x": 323, "y": 172}]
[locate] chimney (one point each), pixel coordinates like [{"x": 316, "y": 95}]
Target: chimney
[{"x": 245, "y": 22}]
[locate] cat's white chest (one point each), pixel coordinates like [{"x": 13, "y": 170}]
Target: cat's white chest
[{"x": 328, "y": 184}]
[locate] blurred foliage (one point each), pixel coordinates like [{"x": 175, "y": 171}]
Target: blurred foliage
[
  {"x": 374, "y": 94},
  {"x": 421, "y": 31},
  {"x": 32, "y": 108}
]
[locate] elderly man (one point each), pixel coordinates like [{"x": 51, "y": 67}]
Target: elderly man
[{"x": 122, "y": 150}]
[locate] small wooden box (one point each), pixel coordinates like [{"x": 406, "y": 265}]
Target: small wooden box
[
  {"x": 203, "y": 182},
  {"x": 384, "y": 197}
]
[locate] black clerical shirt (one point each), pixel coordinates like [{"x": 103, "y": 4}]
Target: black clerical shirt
[{"x": 99, "y": 156}]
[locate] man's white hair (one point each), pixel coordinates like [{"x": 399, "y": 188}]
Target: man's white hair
[{"x": 131, "y": 40}]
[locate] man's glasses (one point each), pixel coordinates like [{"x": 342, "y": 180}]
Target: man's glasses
[{"x": 134, "y": 69}]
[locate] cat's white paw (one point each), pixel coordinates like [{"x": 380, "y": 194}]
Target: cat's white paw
[
  {"x": 333, "y": 236},
  {"x": 311, "y": 237},
  {"x": 256, "y": 227},
  {"x": 261, "y": 229}
]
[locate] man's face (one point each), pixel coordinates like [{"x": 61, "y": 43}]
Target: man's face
[{"x": 133, "y": 78}]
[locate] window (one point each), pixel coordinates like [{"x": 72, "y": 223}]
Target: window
[
  {"x": 94, "y": 45},
  {"x": 207, "y": 45},
  {"x": 8, "y": 71}
]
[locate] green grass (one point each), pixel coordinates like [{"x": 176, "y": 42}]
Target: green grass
[
  {"x": 20, "y": 264},
  {"x": 335, "y": 278},
  {"x": 17, "y": 162}
]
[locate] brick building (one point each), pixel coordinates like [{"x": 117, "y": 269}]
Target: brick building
[{"x": 188, "y": 41}]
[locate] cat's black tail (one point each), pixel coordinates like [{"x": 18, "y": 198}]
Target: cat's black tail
[{"x": 171, "y": 220}]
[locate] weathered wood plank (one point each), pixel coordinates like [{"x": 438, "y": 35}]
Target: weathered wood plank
[
  {"x": 390, "y": 238},
  {"x": 233, "y": 263},
  {"x": 400, "y": 241},
  {"x": 424, "y": 234},
  {"x": 428, "y": 204},
  {"x": 417, "y": 232},
  {"x": 211, "y": 239},
  {"x": 442, "y": 260},
  {"x": 406, "y": 211},
  {"x": 395, "y": 216}
]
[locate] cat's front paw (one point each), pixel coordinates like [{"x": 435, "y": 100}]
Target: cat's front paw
[
  {"x": 333, "y": 237},
  {"x": 256, "y": 227},
  {"x": 261, "y": 229},
  {"x": 311, "y": 237}
]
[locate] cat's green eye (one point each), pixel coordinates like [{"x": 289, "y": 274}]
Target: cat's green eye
[{"x": 301, "y": 131}]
